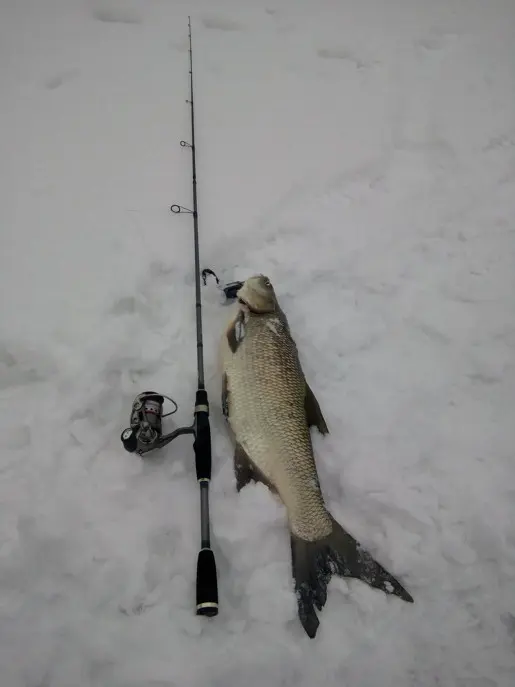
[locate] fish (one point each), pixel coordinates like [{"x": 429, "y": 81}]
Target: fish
[{"x": 270, "y": 410}]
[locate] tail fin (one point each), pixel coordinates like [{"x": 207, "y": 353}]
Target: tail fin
[{"x": 315, "y": 562}]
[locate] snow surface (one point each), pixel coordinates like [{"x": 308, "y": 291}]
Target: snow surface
[{"x": 362, "y": 155}]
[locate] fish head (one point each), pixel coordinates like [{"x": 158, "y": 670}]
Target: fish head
[{"x": 258, "y": 295}]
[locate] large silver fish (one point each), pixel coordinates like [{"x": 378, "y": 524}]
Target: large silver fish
[{"x": 270, "y": 408}]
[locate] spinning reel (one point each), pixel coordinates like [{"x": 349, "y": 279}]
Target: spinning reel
[{"x": 146, "y": 431}]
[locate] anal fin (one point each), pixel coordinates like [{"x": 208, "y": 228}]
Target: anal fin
[
  {"x": 314, "y": 415},
  {"x": 236, "y": 332}
]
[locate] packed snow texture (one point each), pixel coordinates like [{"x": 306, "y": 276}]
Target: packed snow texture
[{"x": 362, "y": 155}]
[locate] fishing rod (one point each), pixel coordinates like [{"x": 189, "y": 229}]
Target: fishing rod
[{"x": 145, "y": 433}]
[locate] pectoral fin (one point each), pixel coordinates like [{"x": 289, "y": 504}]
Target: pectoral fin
[
  {"x": 314, "y": 415},
  {"x": 236, "y": 332}
]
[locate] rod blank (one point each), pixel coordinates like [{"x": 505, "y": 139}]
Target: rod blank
[{"x": 207, "y": 585}]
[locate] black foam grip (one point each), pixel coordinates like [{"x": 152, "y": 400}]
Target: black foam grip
[
  {"x": 207, "y": 587},
  {"x": 202, "y": 443}
]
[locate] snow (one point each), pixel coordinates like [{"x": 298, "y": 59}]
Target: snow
[{"x": 363, "y": 157}]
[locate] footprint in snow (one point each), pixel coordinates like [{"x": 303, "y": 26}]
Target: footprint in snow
[
  {"x": 436, "y": 41},
  {"x": 509, "y": 621},
  {"x": 220, "y": 23},
  {"x": 159, "y": 273},
  {"x": 429, "y": 331},
  {"x": 17, "y": 437},
  {"x": 59, "y": 79},
  {"x": 20, "y": 366},
  {"x": 127, "y": 305},
  {"x": 505, "y": 141},
  {"x": 181, "y": 46},
  {"x": 345, "y": 55},
  {"x": 116, "y": 15}
]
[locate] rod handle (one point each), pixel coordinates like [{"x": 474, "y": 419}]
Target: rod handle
[
  {"x": 207, "y": 586},
  {"x": 202, "y": 443}
]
